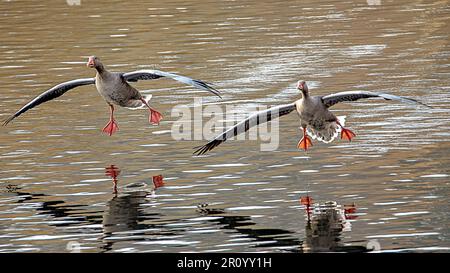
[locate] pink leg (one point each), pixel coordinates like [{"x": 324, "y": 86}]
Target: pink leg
[
  {"x": 111, "y": 127},
  {"x": 155, "y": 116}
]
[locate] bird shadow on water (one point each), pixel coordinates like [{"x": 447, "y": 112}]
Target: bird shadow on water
[{"x": 127, "y": 219}]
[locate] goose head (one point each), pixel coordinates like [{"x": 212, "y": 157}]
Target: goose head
[
  {"x": 94, "y": 62},
  {"x": 301, "y": 85}
]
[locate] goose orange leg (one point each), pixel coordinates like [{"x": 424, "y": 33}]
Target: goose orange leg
[
  {"x": 305, "y": 142},
  {"x": 346, "y": 133},
  {"x": 111, "y": 127},
  {"x": 155, "y": 117}
]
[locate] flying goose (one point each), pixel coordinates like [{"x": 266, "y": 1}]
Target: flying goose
[
  {"x": 316, "y": 119},
  {"x": 115, "y": 90}
]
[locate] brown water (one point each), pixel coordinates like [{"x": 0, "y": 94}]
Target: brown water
[{"x": 56, "y": 172}]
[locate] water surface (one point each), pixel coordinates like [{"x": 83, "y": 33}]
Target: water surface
[{"x": 57, "y": 169}]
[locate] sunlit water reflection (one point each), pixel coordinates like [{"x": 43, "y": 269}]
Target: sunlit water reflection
[{"x": 63, "y": 182}]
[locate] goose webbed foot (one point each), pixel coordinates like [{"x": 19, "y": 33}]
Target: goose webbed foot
[
  {"x": 111, "y": 127},
  {"x": 155, "y": 117},
  {"x": 346, "y": 133},
  {"x": 304, "y": 143}
]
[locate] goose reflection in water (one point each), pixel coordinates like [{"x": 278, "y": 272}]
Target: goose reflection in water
[
  {"x": 124, "y": 212},
  {"x": 127, "y": 219},
  {"x": 113, "y": 172},
  {"x": 119, "y": 220},
  {"x": 325, "y": 224}
]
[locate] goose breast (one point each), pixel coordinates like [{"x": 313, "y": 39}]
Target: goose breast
[{"x": 115, "y": 90}]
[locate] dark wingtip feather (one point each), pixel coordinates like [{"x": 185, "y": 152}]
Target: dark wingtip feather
[
  {"x": 208, "y": 87},
  {"x": 218, "y": 94},
  {"x": 207, "y": 147},
  {"x": 423, "y": 104},
  {"x": 405, "y": 99},
  {"x": 8, "y": 120},
  {"x": 418, "y": 102}
]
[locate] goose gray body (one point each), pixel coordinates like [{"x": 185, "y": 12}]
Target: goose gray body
[
  {"x": 116, "y": 90},
  {"x": 320, "y": 122}
]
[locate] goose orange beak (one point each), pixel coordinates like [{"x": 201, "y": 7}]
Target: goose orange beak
[{"x": 91, "y": 62}]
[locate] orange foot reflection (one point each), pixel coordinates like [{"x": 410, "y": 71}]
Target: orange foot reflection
[
  {"x": 158, "y": 181},
  {"x": 112, "y": 171}
]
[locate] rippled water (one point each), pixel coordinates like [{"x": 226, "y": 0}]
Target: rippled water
[{"x": 389, "y": 185}]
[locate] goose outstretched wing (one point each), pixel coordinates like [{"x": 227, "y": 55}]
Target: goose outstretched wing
[
  {"x": 155, "y": 74},
  {"x": 245, "y": 125},
  {"x": 332, "y": 99},
  {"x": 50, "y": 94}
]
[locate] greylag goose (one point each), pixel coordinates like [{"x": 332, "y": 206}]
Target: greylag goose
[
  {"x": 115, "y": 90},
  {"x": 315, "y": 117}
]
